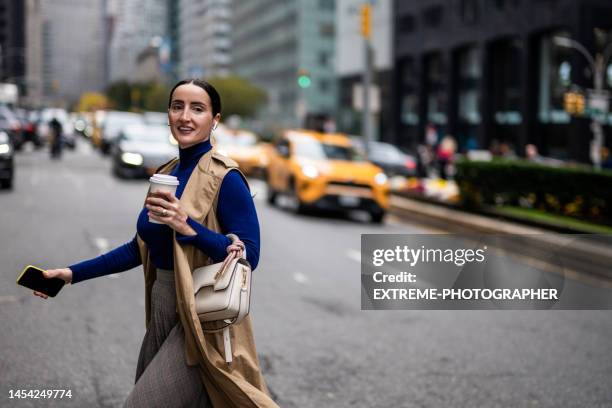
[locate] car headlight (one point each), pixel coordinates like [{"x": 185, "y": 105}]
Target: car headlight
[
  {"x": 134, "y": 159},
  {"x": 5, "y": 148},
  {"x": 310, "y": 171},
  {"x": 381, "y": 178}
]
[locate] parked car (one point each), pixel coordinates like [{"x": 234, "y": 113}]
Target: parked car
[
  {"x": 140, "y": 149},
  {"x": 243, "y": 147},
  {"x": 6, "y": 161},
  {"x": 10, "y": 125},
  {"x": 29, "y": 132},
  {"x": 114, "y": 123},
  {"x": 390, "y": 158},
  {"x": 155, "y": 118},
  {"x": 82, "y": 126},
  {"x": 324, "y": 171}
]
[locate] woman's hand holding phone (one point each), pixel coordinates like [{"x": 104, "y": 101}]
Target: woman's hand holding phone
[{"x": 64, "y": 274}]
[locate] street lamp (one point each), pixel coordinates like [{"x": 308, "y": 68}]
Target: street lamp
[{"x": 598, "y": 67}]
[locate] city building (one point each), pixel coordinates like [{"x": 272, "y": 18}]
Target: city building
[
  {"x": 34, "y": 56},
  {"x": 12, "y": 43},
  {"x": 205, "y": 38},
  {"x": 350, "y": 62},
  {"x": 174, "y": 39},
  {"x": 490, "y": 72},
  {"x": 286, "y": 47},
  {"x": 138, "y": 24},
  {"x": 64, "y": 50}
]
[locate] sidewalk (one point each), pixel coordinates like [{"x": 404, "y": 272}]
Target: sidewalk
[{"x": 586, "y": 259}]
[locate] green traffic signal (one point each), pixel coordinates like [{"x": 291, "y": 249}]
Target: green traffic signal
[{"x": 304, "y": 81}]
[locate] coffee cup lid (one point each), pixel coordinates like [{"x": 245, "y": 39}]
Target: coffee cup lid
[{"x": 164, "y": 179}]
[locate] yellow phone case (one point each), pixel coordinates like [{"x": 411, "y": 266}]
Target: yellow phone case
[{"x": 25, "y": 269}]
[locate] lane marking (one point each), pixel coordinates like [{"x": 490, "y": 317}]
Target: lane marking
[
  {"x": 300, "y": 278},
  {"x": 396, "y": 221},
  {"x": 101, "y": 244},
  {"x": 354, "y": 254},
  {"x": 75, "y": 180},
  {"x": 258, "y": 189},
  {"x": 8, "y": 299}
]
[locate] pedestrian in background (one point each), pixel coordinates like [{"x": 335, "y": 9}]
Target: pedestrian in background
[
  {"x": 445, "y": 155},
  {"x": 606, "y": 158},
  {"x": 56, "y": 133},
  {"x": 179, "y": 365}
]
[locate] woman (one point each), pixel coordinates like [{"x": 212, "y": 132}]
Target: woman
[{"x": 179, "y": 365}]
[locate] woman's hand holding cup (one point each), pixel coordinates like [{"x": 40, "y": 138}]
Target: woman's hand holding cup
[{"x": 165, "y": 208}]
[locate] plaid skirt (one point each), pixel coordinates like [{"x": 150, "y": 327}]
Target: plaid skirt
[{"x": 163, "y": 379}]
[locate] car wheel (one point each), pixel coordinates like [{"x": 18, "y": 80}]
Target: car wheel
[
  {"x": 271, "y": 196},
  {"x": 118, "y": 172},
  {"x": 7, "y": 184},
  {"x": 377, "y": 217},
  {"x": 296, "y": 205}
]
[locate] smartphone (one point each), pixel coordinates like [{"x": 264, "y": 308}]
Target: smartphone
[{"x": 32, "y": 278}]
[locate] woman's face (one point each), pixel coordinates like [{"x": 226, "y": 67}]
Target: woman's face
[{"x": 190, "y": 115}]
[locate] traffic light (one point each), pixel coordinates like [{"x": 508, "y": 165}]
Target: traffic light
[
  {"x": 574, "y": 103},
  {"x": 579, "y": 104},
  {"x": 366, "y": 21},
  {"x": 569, "y": 102},
  {"x": 304, "y": 80}
]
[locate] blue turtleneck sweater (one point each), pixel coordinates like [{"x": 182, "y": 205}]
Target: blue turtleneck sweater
[{"x": 235, "y": 212}]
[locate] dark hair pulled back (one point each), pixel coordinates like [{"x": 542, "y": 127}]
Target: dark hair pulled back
[{"x": 215, "y": 99}]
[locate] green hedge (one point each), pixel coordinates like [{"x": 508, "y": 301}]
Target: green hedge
[{"x": 582, "y": 193}]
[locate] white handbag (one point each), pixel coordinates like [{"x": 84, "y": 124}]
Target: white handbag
[{"x": 223, "y": 292}]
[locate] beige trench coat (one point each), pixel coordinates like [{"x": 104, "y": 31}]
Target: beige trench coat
[{"x": 242, "y": 384}]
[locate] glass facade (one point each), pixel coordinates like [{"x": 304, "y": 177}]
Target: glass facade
[
  {"x": 490, "y": 74},
  {"x": 275, "y": 40},
  {"x": 437, "y": 96},
  {"x": 554, "y": 79},
  {"x": 506, "y": 81},
  {"x": 469, "y": 75}
]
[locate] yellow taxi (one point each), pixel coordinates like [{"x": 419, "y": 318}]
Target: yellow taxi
[
  {"x": 242, "y": 147},
  {"x": 324, "y": 171}
]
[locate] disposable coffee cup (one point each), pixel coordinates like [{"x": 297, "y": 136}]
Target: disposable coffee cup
[{"x": 162, "y": 182}]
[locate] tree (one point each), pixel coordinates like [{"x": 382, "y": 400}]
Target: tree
[
  {"x": 238, "y": 96},
  {"x": 138, "y": 96},
  {"x": 120, "y": 95},
  {"x": 156, "y": 97},
  {"x": 92, "y": 101}
]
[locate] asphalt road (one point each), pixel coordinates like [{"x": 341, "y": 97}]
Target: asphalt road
[{"x": 317, "y": 348}]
